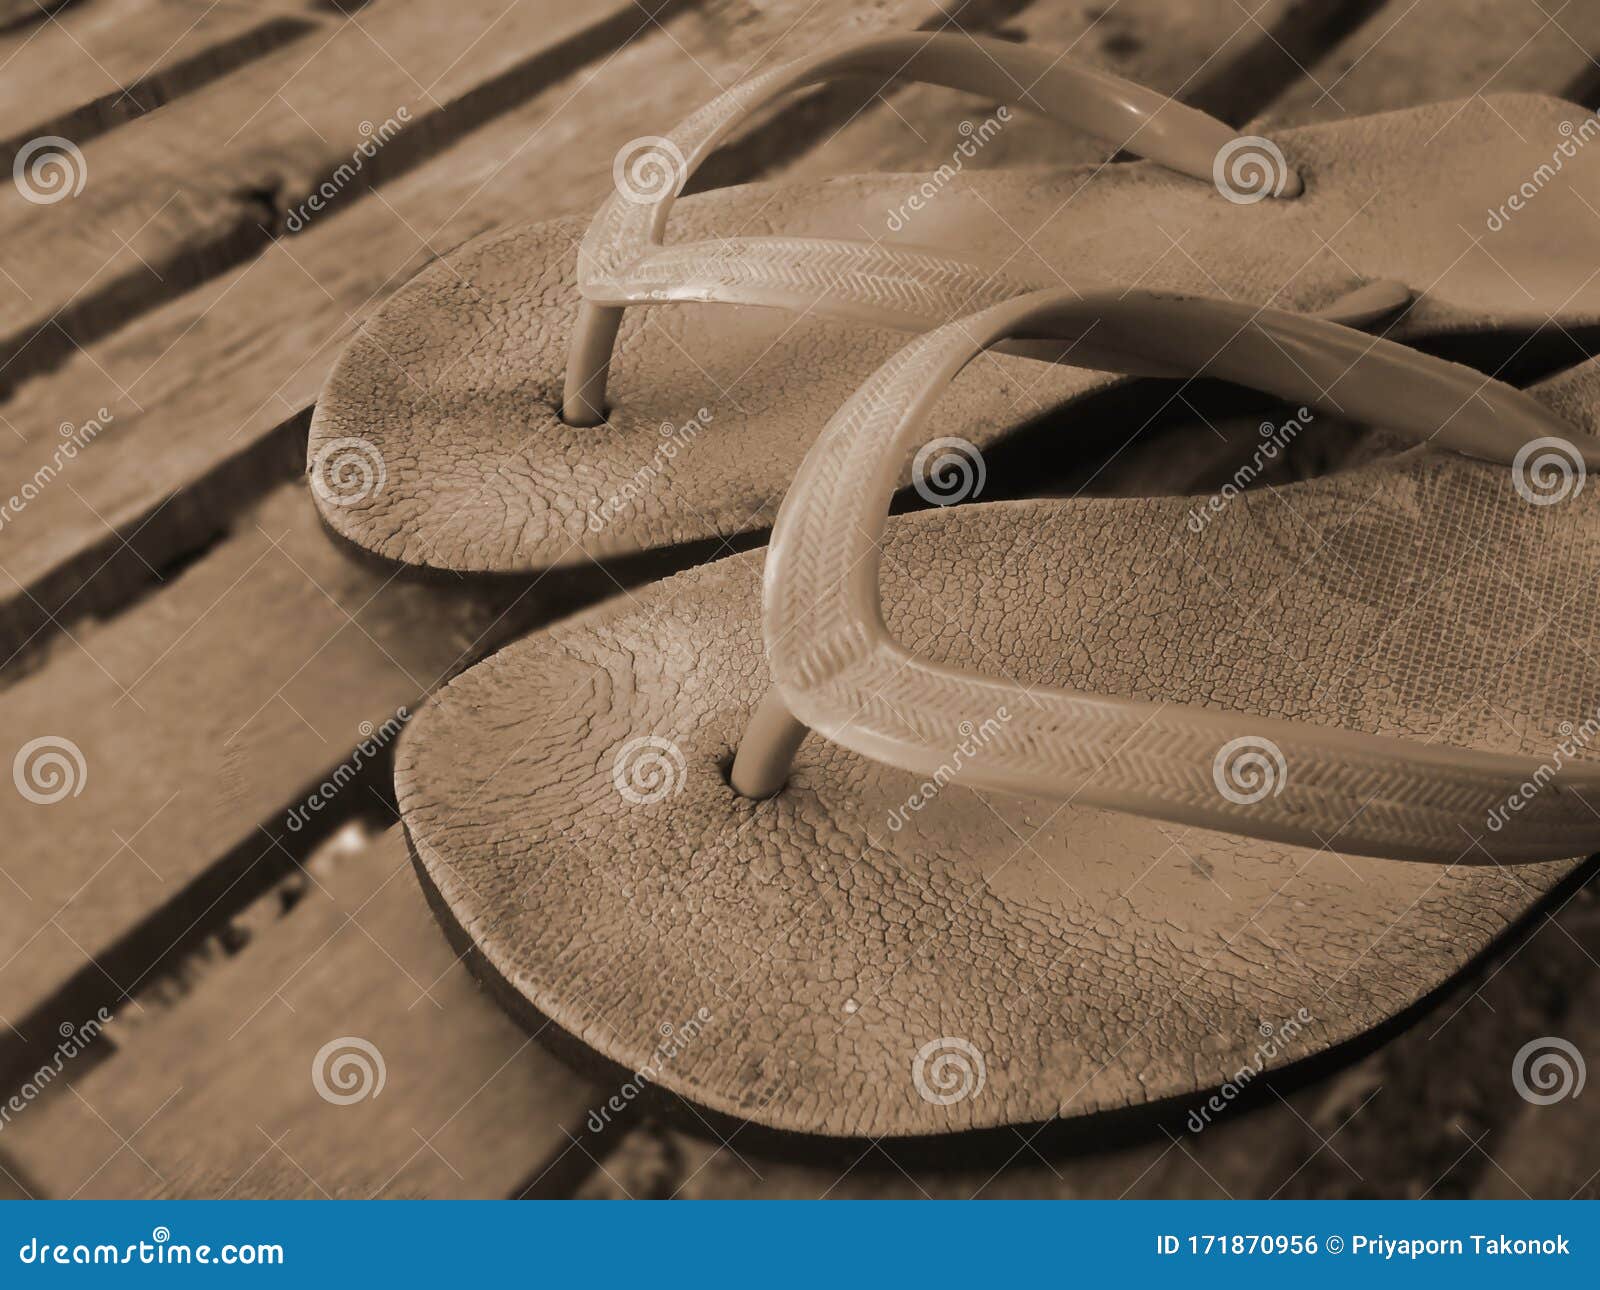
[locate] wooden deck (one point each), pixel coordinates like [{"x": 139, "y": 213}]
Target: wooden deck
[{"x": 170, "y": 605}]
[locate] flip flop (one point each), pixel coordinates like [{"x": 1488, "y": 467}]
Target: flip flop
[
  {"x": 1107, "y": 800},
  {"x": 458, "y": 431}
]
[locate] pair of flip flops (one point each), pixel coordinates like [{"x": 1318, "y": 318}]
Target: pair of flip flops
[{"x": 1102, "y": 799}]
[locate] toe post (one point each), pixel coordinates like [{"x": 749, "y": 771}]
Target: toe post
[
  {"x": 583, "y": 401},
  {"x": 766, "y": 753}
]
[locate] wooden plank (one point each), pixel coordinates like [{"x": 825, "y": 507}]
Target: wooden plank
[
  {"x": 18, "y": 15},
  {"x": 1452, "y": 1064},
  {"x": 1426, "y": 51},
  {"x": 1225, "y": 56},
  {"x": 207, "y": 710},
  {"x": 1546, "y": 1149},
  {"x": 213, "y": 1180},
  {"x": 202, "y": 717},
  {"x": 104, "y": 62},
  {"x": 179, "y": 196},
  {"x": 217, "y": 1096},
  {"x": 203, "y": 388}
]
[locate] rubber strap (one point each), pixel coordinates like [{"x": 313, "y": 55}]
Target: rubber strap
[
  {"x": 838, "y": 671},
  {"x": 624, "y": 261}
]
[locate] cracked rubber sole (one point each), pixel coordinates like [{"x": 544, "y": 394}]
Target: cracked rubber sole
[
  {"x": 437, "y": 442},
  {"x": 867, "y": 954}
]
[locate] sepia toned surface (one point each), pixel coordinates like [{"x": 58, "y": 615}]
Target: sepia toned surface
[{"x": 172, "y": 608}]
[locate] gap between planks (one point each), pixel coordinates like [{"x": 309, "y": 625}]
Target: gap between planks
[
  {"x": 208, "y": 395},
  {"x": 271, "y": 647},
  {"x": 174, "y": 198},
  {"x": 138, "y": 55},
  {"x": 1404, "y": 52},
  {"x": 355, "y": 1057},
  {"x": 134, "y": 508}
]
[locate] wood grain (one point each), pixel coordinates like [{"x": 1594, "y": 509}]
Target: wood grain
[
  {"x": 260, "y": 649},
  {"x": 104, "y": 62},
  {"x": 179, "y": 196},
  {"x": 204, "y": 715},
  {"x": 1427, "y": 51},
  {"x": 1404, "y": 1120},
  {"x": 217, "y": 1096},
  {"x": 208, "y": 709},
  {"x": 1193, "y": 52},
  {"x": 16, "y": 15},
  {"x": 205, "y": 389}
]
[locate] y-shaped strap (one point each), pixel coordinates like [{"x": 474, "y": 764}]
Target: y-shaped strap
[
  {"x": 837, "y": 670},
  {"x": 624, "y": 260}
]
